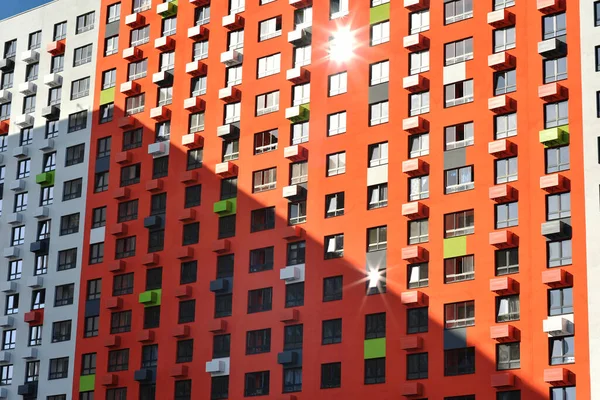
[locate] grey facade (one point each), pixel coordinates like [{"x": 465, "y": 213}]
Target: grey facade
[{"x": 35, "y": 262}]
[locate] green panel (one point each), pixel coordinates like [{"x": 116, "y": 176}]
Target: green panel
[
  {"x": 107, "y": 96},
  {"x": 380, "y": 13},
  {"x": 171, "y": 11},
  {"x": 555, "y": 136},
  {"x": 87, "y": 383},
  {"x": 455, "y": 247},
  {"x": 374, "y": 348},
  {"x": 225, "y": 207},
  {"x": 304, "y": 113},
  {"x": 150, "y": 297},
  {"x": 45, "y": 178}
]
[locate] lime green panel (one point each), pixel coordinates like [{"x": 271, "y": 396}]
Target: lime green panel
[
  {"x": 87, "y": 383},
  {"x": 555, "y": 136},
  {"x": 374, "y": 348},
  {"x": 107, "y": 96},
  {"x": 380, "y": 13},
  {"x": 150, "y": 298},
  {"x": 304, "y": 113},
  {"x": 225, "y": 207},
  {"x": 455, "y": 247},
  {"x": 45, "y": 178},
  {"x": 171, "y": 10}
]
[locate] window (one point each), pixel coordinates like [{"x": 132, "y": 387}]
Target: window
[
  {"x": 555, "y": 25},
  {"x": 380, "y": 72},
  {"x": 375, "y": 326},
  {"x": 130, "y": 175},
  {"x": 335, "y": 246},
  {"x": 377, "y": 196},
  {"x": 459, "y": 269},
  {"x": 258, "y": 341},
  {"x": 260, "y": 300},
  {"x": 193, "y": 195},
  {"x": 499, "y": 5},
  {"x": 419, "y": 21},
  {"x": 560, "y": 253},
  {"x": 125, "y": 247},
  {"x": 60, "y": 31},
  {"x": 294, "y": 295},
  {"x": 191, "y": 233},
  {"x": 31, "y": 72},
  {"x": 336, "y": 163},
  {"x": 557, "y": 159},
  {"x": 302, "y": 56},
  {"x": 562, "y": 350},
  {"x": 57, "y": 63},
  {"x": 64, "y": 295},
  {"x": 265, "y": 141},
  {"x": 128, "y": 211},
  {"x": 458, "y": 93},
  {"x": 137, "y": 69},
  {"x": 94, "y": 289},
  {"x": 374, "y": 371},
  {"x": 219, "y": 388},
  {"x": 333, "y": 288},
  {"x": 98, "y": 217},
  {"x": 187, "y": 311},
  {"x": 169, "y": 26},
  {"x": 32, "y": 371},
  {"x": 200, "y": 51},
  {"x": 507, "y": 308},
  {"x": 417, "y": 320},
  {"x": 338, "y": 83},
  {"x": 507, "y": 215},
  {"x": 506, "y": 170},
  {"x": 292, "y": 380},
  {"x": 459, "y": 361},
  {"x": 54, "y": 96},
  {"x": 18, "y": 235},
  {"x": 109, "y": 79},
  {"x": 92, "y": 326},
  {"x": 505, "y": 82},
  {"x": 298, "y": 173},
  {"x": 334, "y": 205},
  {"x": 380, "y": 33},
  {"x": 189, "y": 272},
  {"x": 118, "y": 360},
  {"x": 459, "y": 223},
  {"x": 69, "y": 224},
  {"x": 85, "y": 22},
  {"x": 300, "y": 133},
  {"x": 221, "y": 345},
  {"x": 256, "y": 383},
  {"x": 141, "y": 5},
  {"x": 418, "y": 231},
  {"x": 460, "y": 135},
  {"x": 336, "y": 123},
  {"x": 77, "y": 121},
  {"x": 456, "y": 52},
  {"x": 120, "y": 322},
  {"x": 183, "y": 390},
  {"x": 198, "y": 86},
  {"x": 417, "y": 366},
  {"x": 113, "y": 13},
  {"x": 6, "y": 375},
  {"x": 507, "y": 261},
  {"x": 226, "y": 226},
  {"x": 418, "y": 275},
  {"x": 267, "y": 103},
  {"x": 9, "y": 339},
  {"x": 35, "y": 336},
  {"x": 377, "y": 238},
  {"x": 457, "y": 10},
  {"x": 558, "y": 206},
  {"x": 83, "y": 55},
  {"x": 202, "y": 15},
  {"x": 75, "y": 155},
  {"x": 132, "y": 139},
  {"x": 331, "y": 375},
  {"x": 149, "y": 356},
  {"x": 265, "y": 180},
  {"x": 196, "y": 122},
  {"x": 296, "y": 253},
  {"x": 96, "y": 253},
  {"x": 269, "y": 28},
  {"x": 122, "y": 284},
  {"x": 20, "y": 202},
  {"x": 135, "y": 104},
  {"x": 332, "y": 331},
  {"x": 555, "y": 69},
  {"x": 261, "y": 259},
  {"x": 12, "y": 304},
  {"x": 165, "y": 96},
  {"x": 231, "y": 149},
  {"x": 505, "y": 125},
  {"x": 508, "y": 356},
  {"x": 458, "y": 315},
  {"x": 419, "y": 103},
  {"x": 140, "y": 36},
  {"x": 504, "y": 39},
  {"x": 232, "y": 112},
  {"x": 185, "y": 350},
  {"x": 160, "y": 167},
  {"x": 564, "y": 393},
  {"x": 15, "y": 269},
  {"x": 61, "y": 331},
  {"x": 7, "y": 83},
  {"x": 459, "y": 179}
]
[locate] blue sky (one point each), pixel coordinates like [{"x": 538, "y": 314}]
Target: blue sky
[{"x": 12, "y": 7}]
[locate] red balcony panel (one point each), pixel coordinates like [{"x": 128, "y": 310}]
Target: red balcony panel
[
  {"x": 187, "y": 215},
  {"x": 414, "y": 125},
  {"x": 502, "y": 148},
  {"x": 226, "y": 169},
  {"x": 504, "y": 333},
  {"x": 553, "y": 92},
  {"x": 416, "y": 5},
  {"x": 555, "y": 183},
  {"x": 415, "y": 167},
  {"x": 123, "y": 157},
  {"x": 557, "y": 376},
  {"x": 217, "y": 326},
  {"x": 189, "y": 177},
  {"x": 116, "y": 266},
  {"x": 413, "y": 298},
  {"x": 501, "y": 61},
  {"x": 113, "y": 303},
  {"x": 56, "y": 48},
  {"x": 112, "y": 341},
  {"x": 4, "y": 125},
  {"x": 557, "y": 278},
  {"x": 127, "y": 122},
  {"x": 503, "y": 193},
  {"x": 179, "y": 371},
  {"x": 300, "y": 3},
  {"x": 181, "y": 331},
  {"x": 416, "y": 42},
  {"x": 502, "y": 104},
  {"x": 415, "y": 209},
  {"x": 150, "y": 259},
  {"x": 109, "y": 380},
  {"x": 154, "y": 185},
  {"x": 145, "y": 336},
  {"x": 504, "y": 285},
  {"x": 185, "y": 252},
  {"x": 296, "y": 153},
  {"x": 183, "y": 291},
  {"x": 503, "y": 380},
  {"x": 290, "y": 315},
  {"x": 412, "y": 342},
  {"x": 415, "y": 254},
  {"x": 410, "y": 389},
  {"x": 200, "y": 3},
  {"x": 501, "y": 18},
  {"x": 35, "y": 317},
  {"x": 118, "y": 229},
  {"x": 287, "y": 397},
  {"x": 551, "y": 6},
  {"x": 221, "y": 246},
  {"x": 293, "y": 233},
  {"x": 503, "y": 239}
]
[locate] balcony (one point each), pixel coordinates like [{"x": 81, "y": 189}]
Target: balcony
[
  {"x": 7, "y": 65},
  {"x": 17, "y": 185},
  {"x": 129, "y": 88},
  {"x": 230, "y": 94},
  {"x": 298, "y": 75},
  {"x": 552, "y": 48},
  {"x": 5, "y": 96},
  {"x": 557, "y": 278},
  {"x": 168, "y": 9},
  {"x": 179, "y": 371},
  {"x": 502, "y": 148},
  {"x": 293, "y": 233},
  {"x": 504, "y": 333},
  {"x": 160, "y": 113},
  {"x": 294, "y": 192},
  {"x": 300, "y": 37},
  {"x": 188, "y": 177},
  {"x": 556, "y": 230},
  {"x": 503, "y": 380},
  {"x": 231, "y": 58},
  {"x": 501, "y": 61},
  {"x": 300, "y": 3},
  {"x": 557, "y": 326},
  {"x": 198, "y": 32},
  {"x": 192, "y": 141},
  {"x": 555, "y": 183},
  {"x": 150, "y": 298},
  {"x": 415, "y": 210},
  {"x": 501, "y": 18},
  {"x": 45, "y": 178},
  {"x": 414, "y": 298},
  {"x": 289, "y": 315},
  {"x": 416, "y": 42},
  {"x": 53, "y": 80},
  {"x": 226, "y": 169},
  {"x": 158, "y": 149},
  {"x": 412, "y": 342},
  {"x": 196, "y": 68},
  {"x": 295, "y": 153},
  {"x": 414, "y": 125},
  {"x": 133, "y": 54},
  {"x": 135, "y": 20},
  {"x": 416, "y": 5},
  {"x": 30, "y": 56},
  {"x": 112, "y": 341},
  {"x": 552, "y": 92},
  {"x": 151, "y": 259},
  {"x": 217, "y": 326},
  {"x": 557, "y": 376},
  {"x": 51, "y": 113},
  {"x": 504, "y": 286},
  {"x": 553, "y": 137},
  {"x": 233, "y": 22},
  {"x": 503, "y": 193},
  {"x": 501, "y": 104},
  {"x": 194, "y": 104},
  {"x": 143, "y": 375},
  {"x": 34, "y": 317},
  {"x": 119, "y": 229},
  {"x": 551, "y": 6},
  {"x": 153, "y": 221},
  {"x": 290, "y": 274},
  {"x": 15, "y": 218},
  {"x": 164, "y": 43},
  {"x": 123, "y": 157},
  {"x": 109, "y": 380},
  {"x": 503, "y": 239},
  {"x": 414, "y": 254},
  {"x": 415, "y": 167},
  {"x": 215, "y": 366},
  {"x": 412, "y": 389},
  {"x": 27, "y": 88},
  {"x": 121, "y": 193},
  {"x": 221, "y": 285},
  {"x": 154, "y": 185},
  {"x": 24, "y": 121},
  {"x": 299, "y": 113},
  {"x": 56, "y": 48},
  {"x": 221, "y": 246},
  {"x": 162, "y": 78},
  {"x": 415, "y": 83}
]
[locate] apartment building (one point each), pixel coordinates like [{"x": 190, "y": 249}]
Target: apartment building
[
  {"x": 337, "y": 198},
  {"x": 47, "y": 72}
]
